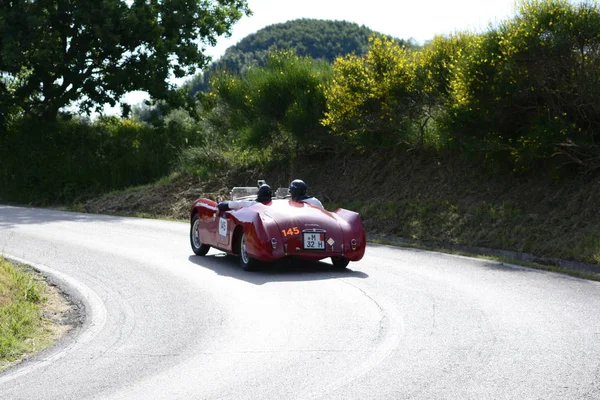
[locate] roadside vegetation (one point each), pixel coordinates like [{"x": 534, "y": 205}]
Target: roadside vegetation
[
  {"x": 485, "y": 139},
  {"x": 23, "y": 327}
]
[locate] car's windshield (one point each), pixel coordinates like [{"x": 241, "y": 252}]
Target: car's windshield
[
  {"x": 243, "y": 193},
  {"x": 249, "y": 193},
  {"x": 282, "y": 193}
]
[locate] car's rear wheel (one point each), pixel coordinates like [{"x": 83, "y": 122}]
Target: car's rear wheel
[
  {"x": 199, "y": 248},
  {"x": 340, "y": 262},
  {"x": 248, "y": 263}
]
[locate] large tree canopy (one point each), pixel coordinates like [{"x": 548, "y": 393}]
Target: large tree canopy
[{"x": 56, "y": 52}]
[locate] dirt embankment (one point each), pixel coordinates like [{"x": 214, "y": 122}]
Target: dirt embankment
[{"x": 419, "y": 198}]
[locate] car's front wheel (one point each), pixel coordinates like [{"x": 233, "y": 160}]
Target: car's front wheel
[
  {"x": 199, "y": 248},
  {"x": 248, "y": 263},
  {"x": 340, "y": 262}
]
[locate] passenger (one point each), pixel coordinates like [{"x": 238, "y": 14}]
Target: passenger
[
  {"x": 298, "y": 192},
  {"x": 264, "y": 195}
]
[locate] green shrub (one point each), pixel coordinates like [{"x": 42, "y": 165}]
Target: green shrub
[
  {"x": 59, "y": 162},
  {"x": 526, "y": 93},
  {"x": 279, "y": 105}
]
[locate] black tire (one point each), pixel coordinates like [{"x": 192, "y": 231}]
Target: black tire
[
  {"x": 340, "y": 262},
  {"x": 248, "y": 263},
  {"x": 199, "y": 248}
]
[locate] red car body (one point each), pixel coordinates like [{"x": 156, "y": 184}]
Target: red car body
[{"x": 278, "y": 229}]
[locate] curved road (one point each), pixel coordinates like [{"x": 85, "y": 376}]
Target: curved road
[{"x": 400, "y": 324}]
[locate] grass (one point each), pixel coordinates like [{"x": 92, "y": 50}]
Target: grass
[
  {"x": 79, "y": 206},
  {"x": 23, "y": 329},
  {"x": 449, "y": 203},
  {"x": 149, "y": 216},
  {"x": 165, "y": 180}
]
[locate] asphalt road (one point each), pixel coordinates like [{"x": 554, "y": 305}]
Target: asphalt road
[{"x": 400, "y": 324}]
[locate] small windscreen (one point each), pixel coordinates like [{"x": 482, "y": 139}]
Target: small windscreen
[
  {"x": 282, "y": 193},
  {"x": 243, "y": 193},
  {"x": 249, "y": 192}
]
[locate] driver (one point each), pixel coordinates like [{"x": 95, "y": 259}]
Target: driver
[
  {"x": 298, "y": 192},
  {"x": 264, "y": 195}
]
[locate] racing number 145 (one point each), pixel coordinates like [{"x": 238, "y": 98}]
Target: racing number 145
[{"x": 291, "y": 231}]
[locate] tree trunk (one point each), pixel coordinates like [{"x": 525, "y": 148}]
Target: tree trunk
[{"x": 49, "y": 113}]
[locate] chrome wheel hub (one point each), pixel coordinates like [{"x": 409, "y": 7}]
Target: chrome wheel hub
[
  {"x": 243, "y": 252},
  {"x": 196, "y": 234}
]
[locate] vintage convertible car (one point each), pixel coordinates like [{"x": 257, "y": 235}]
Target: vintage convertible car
[{"x": 276, "y": 229}]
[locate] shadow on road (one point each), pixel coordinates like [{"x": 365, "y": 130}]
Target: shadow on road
[
  {"x": 287, "y": 270},
  {"x": 504, "y": 267},
  {"x": 12, "y": 216}
]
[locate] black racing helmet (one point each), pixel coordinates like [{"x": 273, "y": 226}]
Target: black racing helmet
[
  {"x": 298, "y": 189},
  {"x": 264, "y": 193}
]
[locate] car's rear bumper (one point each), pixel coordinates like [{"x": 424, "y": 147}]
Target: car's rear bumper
[{"x": 310, "y": 255}]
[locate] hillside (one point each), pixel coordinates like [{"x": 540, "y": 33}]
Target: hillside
[
  {"x": 442, "y": 203},
  {"x": 318, "y": 39}
]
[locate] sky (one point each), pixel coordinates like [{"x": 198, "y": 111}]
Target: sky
[{"x": 417, "y": 19}]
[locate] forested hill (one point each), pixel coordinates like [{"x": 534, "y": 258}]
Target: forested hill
[
  {"x": 319, "y": 39},
  {"x": 323, "y": 39}
]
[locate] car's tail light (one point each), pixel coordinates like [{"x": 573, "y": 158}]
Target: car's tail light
[{"x": 353, "y": 244}]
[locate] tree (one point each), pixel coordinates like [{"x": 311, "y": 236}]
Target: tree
[
  {"x": 56, "y": 52},
  {"x": 528, "y": 90},
  {"x": 279, "y": 105},
  {"x": 373, "y": 100}
]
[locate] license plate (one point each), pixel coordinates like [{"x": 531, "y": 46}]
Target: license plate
[{"x": 313, "y": 240}]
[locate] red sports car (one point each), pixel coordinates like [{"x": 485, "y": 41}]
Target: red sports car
[{"x": 265, "y": 232}]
